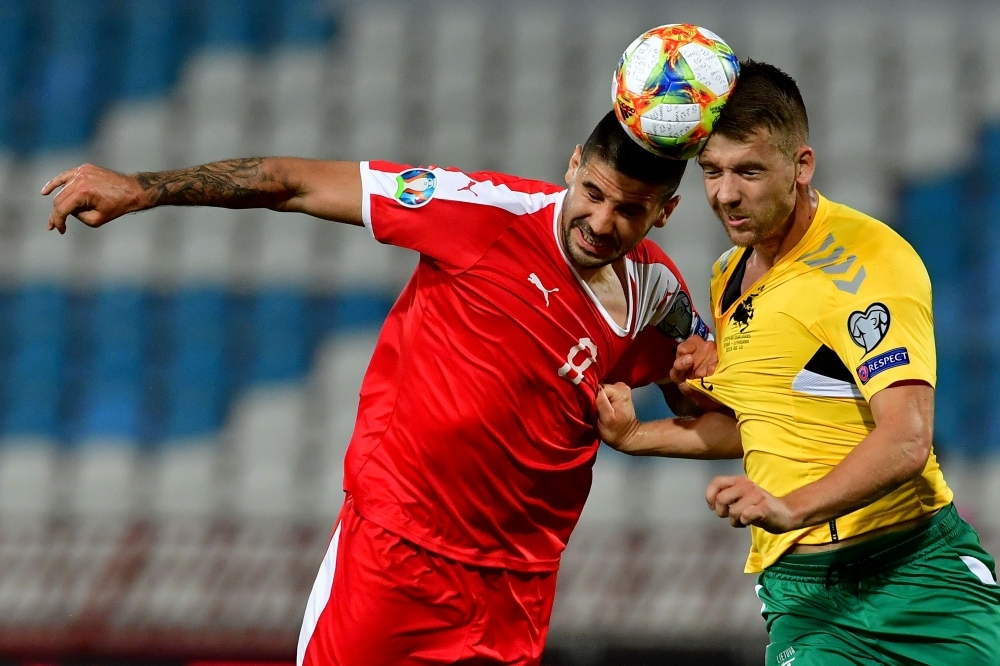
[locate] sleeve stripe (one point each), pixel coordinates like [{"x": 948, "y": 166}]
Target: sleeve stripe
[
  {"x": 367, "y": 189},
  {"x": 458, "y": 187}
]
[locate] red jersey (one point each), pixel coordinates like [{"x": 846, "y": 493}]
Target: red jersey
[{"x": 476, "y": 432}]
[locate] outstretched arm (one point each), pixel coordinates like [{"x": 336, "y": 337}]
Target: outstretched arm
[
  {"x": 711, "y": 436},
  {"x": 95, "y": 196}
]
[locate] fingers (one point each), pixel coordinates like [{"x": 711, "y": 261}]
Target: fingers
[
  {"x": 64, "y": 203},
  {"x": 617, "y": 391},
  {"x": 717, "y": 485},
  {"x": 696, "y": 358},
  {"x": 752, "y": 515},
  {"x": 682, "y": 366},
  {"x": 739, "y": 499},
  {"x": 605, "y": 412},
  {"x": 59, "y": 181},
  {"x": 689, "y": 346},
  {"x": 62, "y": 207}
]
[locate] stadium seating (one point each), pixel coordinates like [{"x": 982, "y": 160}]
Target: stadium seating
[{"x": 181, "y": 385}]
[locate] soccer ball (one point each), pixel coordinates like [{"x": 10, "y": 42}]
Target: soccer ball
[{"x": 670, "y": 86}]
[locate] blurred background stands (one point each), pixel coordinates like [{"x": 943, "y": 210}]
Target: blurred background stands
[{"x": 177, "y": 390}]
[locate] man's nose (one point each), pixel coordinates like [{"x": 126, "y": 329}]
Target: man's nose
[
  {"x": 728, "y": 193},
  {"x": 602, "y": 220}
]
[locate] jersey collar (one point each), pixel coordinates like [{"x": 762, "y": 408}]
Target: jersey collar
[
  {"x": 786, "y": 268},
  {"x": 612, "y": 324}
]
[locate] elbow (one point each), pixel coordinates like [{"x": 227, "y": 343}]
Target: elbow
[{"x": 916, "y": 451}]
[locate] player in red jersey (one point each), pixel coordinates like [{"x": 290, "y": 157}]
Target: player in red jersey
[{"x": 472, "y": 453}]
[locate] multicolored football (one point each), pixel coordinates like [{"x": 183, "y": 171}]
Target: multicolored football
[{"x": 670, "y": 86}]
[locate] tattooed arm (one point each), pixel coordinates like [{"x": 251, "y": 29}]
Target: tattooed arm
[{"x": 95, "y": 196}]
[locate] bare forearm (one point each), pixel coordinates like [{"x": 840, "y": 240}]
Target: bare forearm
[
  {"x": 250, "y": 182},
  {"x": 879, "y": 464},
  {"x": 711, "y": 436},
  {"x": 325, "y": 189}
]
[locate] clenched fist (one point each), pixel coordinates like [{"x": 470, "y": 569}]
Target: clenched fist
[
  {"x": 617, "y": 422},
  {"x": 745, "y": 503}
]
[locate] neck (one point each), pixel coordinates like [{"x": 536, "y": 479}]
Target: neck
[
  {"x": 588, "y": 274},
  {"x": 770, "y": 251}
]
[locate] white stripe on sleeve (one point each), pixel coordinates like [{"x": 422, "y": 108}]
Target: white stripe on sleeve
[{"x": 367, "y": 187}]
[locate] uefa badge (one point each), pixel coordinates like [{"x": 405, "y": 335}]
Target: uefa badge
[
  {"x": 415, "y": 187},
  {"x": 868, "y": 328}
]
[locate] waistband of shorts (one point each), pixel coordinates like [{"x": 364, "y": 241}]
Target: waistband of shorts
[{"x": 871, "y": 557}]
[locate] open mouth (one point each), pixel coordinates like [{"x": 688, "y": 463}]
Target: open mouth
[
  {"x": 592, "y": 246},
  {"x": 736, "y": 221}
]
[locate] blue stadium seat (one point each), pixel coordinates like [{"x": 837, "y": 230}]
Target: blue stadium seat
[
  {"x": 195, "y": 409},
  {"x": 70, "y": 79},
  {"x": 112, "y": 403},
  {"x": 151, "y": 47},
  {"x": 197, "y": 380},
  {"x": 279, "y": 335},
  {"x": 360, "y": 310},
  {"x": 990, "y": 151},
  {"x": 304, "y": 23},
  {"x": 927, "y": 209},
  {"x": 13, "y": 49},
  {"x": 228, "y": 24},
  {"x": 33, "y": 382},
  {"x": 199, "y": 317}
]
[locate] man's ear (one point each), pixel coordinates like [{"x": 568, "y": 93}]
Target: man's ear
[
  {"x": 805, "y": 166},
  {"x": 668, "y": 208},
  {"x": 574, "y": 164}
]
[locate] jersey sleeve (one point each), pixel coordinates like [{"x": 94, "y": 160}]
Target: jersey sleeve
[
  {"x": 445, "y": 214},
  {"x": 671, "y": 320},
  {"x": 884, "y": 334}
]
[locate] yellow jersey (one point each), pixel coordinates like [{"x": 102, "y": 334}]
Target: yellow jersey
[{"x": 842, "y": 316}]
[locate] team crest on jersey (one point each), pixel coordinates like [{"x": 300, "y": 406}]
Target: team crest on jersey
[
  {"x": 415, "y": 187},
  {"x": 743, "y": 314},
  {"x": 868, "y": 328}
]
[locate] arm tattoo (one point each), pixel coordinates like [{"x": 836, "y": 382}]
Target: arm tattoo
[{"x": 238, "y": 183}]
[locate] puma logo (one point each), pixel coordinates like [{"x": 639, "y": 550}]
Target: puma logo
[
  {"x": 537, "y": 281},
  {"x": 468, "y": 188}
]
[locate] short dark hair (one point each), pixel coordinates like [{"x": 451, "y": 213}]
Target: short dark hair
[
  {"x": 614, "y": 147},
  {"x": 765, "y": 97}
]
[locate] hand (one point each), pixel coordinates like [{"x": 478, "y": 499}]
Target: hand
[
  {"x": 695, "y": 358},
  {"x": 617, "y": 422},
  {"x": 746, "y": 503},
  {"x": 92, "y": 195}
]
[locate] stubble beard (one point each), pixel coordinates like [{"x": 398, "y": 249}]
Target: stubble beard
[
  {"x": 759, "y": 232},
  {"x": 580, "y": 258}
]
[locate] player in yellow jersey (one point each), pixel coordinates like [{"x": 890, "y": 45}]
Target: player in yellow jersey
[{"x": 826, "y": 369}]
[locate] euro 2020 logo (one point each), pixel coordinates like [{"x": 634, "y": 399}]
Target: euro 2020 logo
[{"x": 415, "y": 187}]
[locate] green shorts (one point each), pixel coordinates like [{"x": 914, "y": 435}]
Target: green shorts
[{"x": 924, "y": 596}]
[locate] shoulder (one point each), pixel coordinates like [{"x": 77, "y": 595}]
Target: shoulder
[
  {"x": 664, "y": 295},
  {"x": 654, "y": 268},
  {"x": 415, "y": 187},
  {"x": 870, "y": 253},
  {"x": 724, "y": 263},
  {"x": 649, "y": 252}
]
